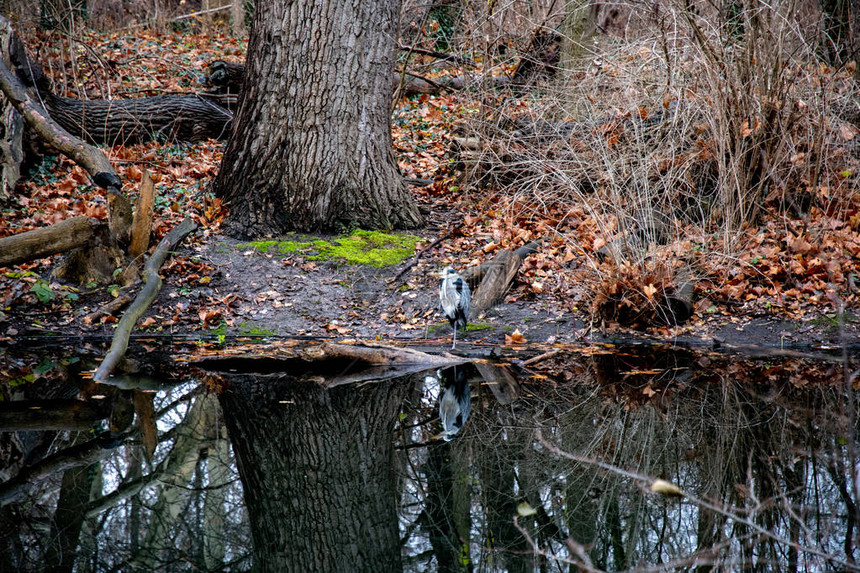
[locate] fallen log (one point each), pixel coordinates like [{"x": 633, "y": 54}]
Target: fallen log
[
  {"x": 491, "y": 280},
  {"x": 144, "y": 298},
  {"x": 225, "y": 81},
  {"x": 361, "y": 363},
  {"x": 127, "y": 121},
  {"x": 39, "y": 243}
]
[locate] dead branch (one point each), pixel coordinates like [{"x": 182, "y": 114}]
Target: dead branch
[
  {"x": 141, "y": 226},
  {"x": 85, "y": 155},
  {"x": 38, "y": 243},
  {"x": 108, "y": 309},
  {"x": 459, "y": 60},
  {"x": 144, "y": 298},
  {"x": 494, "y": 278},
  {"x": 418, "y": 255}
]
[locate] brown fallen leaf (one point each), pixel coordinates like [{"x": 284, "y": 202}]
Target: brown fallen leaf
[{"x": 516, "y": 337}]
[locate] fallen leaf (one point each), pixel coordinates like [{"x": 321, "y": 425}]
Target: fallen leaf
[
  {"x": 650, "y": 290},
  {"x": 516, "y": 337},
  {"x": 848, "y": 131}
]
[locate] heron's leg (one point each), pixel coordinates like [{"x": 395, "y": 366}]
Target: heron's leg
[{"x": 454, "y": 345}]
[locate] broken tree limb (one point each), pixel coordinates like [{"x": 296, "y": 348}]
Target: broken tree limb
[
  {"x": 141, "y": 225},
  {"x": 85, "y": 155},
  {"x": 497, "y": 279},
  {"x": 39, "y": 243},
  {"x": 418, "y": 255},
  {"x": 108, "y": 309},
  {"x": 491, "y": 280},
  {"x": 144, "y": 298}
]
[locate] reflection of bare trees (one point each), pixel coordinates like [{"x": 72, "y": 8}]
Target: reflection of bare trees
[
  {"x": 88, "y": 500},
  {"x": 767, "y": 470},
  {"x": 549, "y": 473}
]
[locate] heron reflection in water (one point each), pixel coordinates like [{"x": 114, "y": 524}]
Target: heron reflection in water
[{"x": 455, "y": 403}]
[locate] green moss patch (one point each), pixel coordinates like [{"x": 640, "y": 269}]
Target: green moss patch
[
  {"x": 252, "y": 329},
  {"x": 374, "y": 248}
]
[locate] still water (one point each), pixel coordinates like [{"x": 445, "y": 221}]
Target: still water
[{"x": 551, "y": 465}]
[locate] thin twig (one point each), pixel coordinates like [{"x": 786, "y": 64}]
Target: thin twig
[
  {"x": 540, "y": 357},
  {"x": 418, "y": 255}
]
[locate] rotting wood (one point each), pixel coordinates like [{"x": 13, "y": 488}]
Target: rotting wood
[
  {"x": 144, "y": 298},
  {"x": 491, "y": 280},
  {"x": 109, "y": 309},
  {"x": 39, "y": 243},
  {"x": 497, "y": 279},
  {"x": 141, "y": 225}
]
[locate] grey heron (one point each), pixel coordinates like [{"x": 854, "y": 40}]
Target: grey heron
[
  {"x": 455, "y": 403},
  {"x": 455, "y": 298}
]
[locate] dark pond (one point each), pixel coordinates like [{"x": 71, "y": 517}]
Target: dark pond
[{"x": 488, "y": 466}]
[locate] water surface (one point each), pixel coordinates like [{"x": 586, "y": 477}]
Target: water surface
[{"x": 486, "y": 466}]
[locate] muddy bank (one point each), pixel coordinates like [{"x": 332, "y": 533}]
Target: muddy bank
[{"x": 249, "y": 292}]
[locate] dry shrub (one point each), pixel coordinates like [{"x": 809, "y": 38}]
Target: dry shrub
[
  {"x": 691, "y": 130},
  {"x": 650, "y": 294}
]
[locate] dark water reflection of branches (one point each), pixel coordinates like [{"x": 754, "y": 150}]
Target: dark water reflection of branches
[{"x": 767, "y": 467}]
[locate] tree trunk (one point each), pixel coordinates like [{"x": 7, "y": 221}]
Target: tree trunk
[
  {"x": 317, "y": 470},
  {"x": 311, "y": 147}
]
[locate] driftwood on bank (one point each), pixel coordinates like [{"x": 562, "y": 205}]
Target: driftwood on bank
[
  {"x": 39, "y": 243},
  {"x": 492, "y": 279},
  {"x": 358, "y": 363},
  {"x": 144, "y": 298}
]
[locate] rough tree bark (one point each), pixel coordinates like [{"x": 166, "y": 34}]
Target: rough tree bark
[{"x": 311, "y": 146}]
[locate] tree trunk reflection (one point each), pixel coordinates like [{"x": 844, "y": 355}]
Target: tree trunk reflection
[{"x": 317, "y": 470}]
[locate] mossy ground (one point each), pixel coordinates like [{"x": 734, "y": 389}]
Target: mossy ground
[{"x": 373, "y": 248}]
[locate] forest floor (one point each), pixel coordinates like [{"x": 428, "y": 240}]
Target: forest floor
[{"x": 217, "y": 287}]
